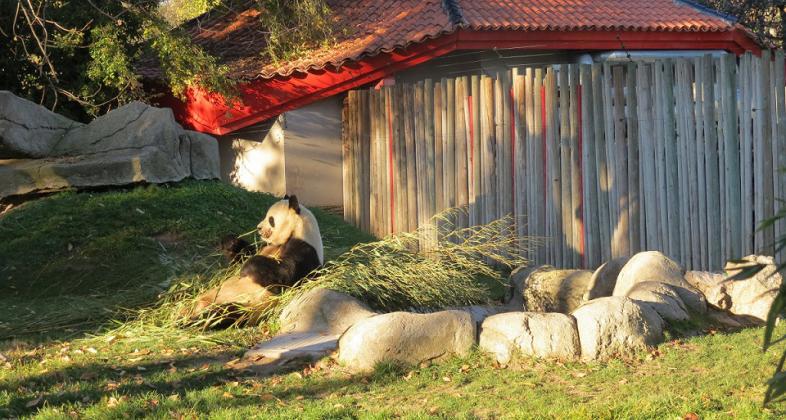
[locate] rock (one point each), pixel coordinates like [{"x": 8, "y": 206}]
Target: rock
[
  {"x": 548, "y": 289},
  {"x": 747, "y": 297},
  {"x": 753, "y": 296},
  {"x": 542, "y": 335},
  {"x": 604, "y": 279},
  {"x": 713, "y": 286},
  {"x": 479, "y": 313},
  {"x": 616, "y": 325},
  {"x": 662, "y": 298},
  {"x": 28, "y": 130},
  {"x": 204, "y": 152},
  {"x": 322, "y": 310},
  {"x": 649, "y": 266},
  {"x": 133, "y": 143},
  {"x": 407, "y": 338},
  {"x": 518, "y": 277},
  {"x": 288, "y": 351}
]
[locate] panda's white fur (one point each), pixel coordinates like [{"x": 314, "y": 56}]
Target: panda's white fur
[{"x": 290, "y": 223}]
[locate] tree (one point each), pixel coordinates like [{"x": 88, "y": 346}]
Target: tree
[
  {"x": 80, "y": 57},
  {"x": 766, "y": 18}
]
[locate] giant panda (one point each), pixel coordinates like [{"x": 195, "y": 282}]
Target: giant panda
[{"x": 294, "y": 249}]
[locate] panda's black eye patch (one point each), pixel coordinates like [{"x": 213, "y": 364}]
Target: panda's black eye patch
[{"x": 271, "y": 221}]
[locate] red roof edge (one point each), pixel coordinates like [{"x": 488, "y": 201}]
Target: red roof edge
[{"x": 262, "y": 99}]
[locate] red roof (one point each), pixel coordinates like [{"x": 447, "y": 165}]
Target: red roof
[
  {"x": 371, "y": 27},
  {"x": 381, "y": 37}
]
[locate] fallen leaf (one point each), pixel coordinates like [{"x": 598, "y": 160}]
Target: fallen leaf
[
  {"x": 299, "y": 397},
  {"x": 112, "y": 402},
  {"x": 338, "y": 406},
  {"x": 267, "y": 397},
  {"x": 579, "y": 374},
  {"x": 691, "y": 416},
  {"x": 446, "y": 378},
  {"x": 464, "y": 368},
  {"x": 92, "y": 350},
  {"x": 409, "y": 374},
  {"x": 33, "y": 403},
  {"x": 228, "y": 395},
  {"x": 174, "y": 397}
]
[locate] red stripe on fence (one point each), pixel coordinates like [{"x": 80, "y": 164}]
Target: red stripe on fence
[
  {"x": 390, "y": 170},
  {"x": 582, "y": 237}
]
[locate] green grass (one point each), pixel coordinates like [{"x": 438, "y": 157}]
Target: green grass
[
  {"x": 52, "y": 297},
  {"x": 69, "y": 262}
]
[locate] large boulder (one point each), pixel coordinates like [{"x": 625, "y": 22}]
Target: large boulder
[
  {"x": 406, "y": 338},
  {"x": 662, "y": 298},
  {"x": 548, "y": 289},
  {"x": 616, "y": 325},
  {"x": 751, "y": 296},
  {"x": 542, "y": 335},
  {"x": 28, "y": 130},
  {"x": 604, "y": 279},
  {"x": 322, "y": 310},
  {"x": 648, "y": 266},
  {"x": 133, "y": 143},
  {"x": 518, "y": 279}
]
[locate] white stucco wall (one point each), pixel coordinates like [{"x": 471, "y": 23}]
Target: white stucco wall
[
  {"x": 296, "y": 153},
  {"x": 313, "y": 149},
  {"x": 253, "y": 158}
]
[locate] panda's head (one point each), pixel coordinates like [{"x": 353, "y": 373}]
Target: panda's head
[
  {"x": 287, "y": 219},
  {"x": 280, "y": 221}
]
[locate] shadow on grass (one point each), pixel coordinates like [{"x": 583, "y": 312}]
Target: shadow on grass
[{"x": 173, "y": 376}]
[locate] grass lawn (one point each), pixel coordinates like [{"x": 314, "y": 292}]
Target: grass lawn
[{"x": 71, "y": 263}]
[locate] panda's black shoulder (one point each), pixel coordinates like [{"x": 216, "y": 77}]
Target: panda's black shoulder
[{"x": 303, "y": 254}]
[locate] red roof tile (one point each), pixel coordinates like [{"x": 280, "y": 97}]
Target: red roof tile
[
  {"x": 573, "y": 15},
  {"x": 237, "y": 37}
]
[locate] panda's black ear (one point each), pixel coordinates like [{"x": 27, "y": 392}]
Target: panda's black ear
[{"x": 293, "y": 204}]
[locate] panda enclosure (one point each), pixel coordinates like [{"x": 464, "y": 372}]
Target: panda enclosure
[{"x": 600, "y": 160}]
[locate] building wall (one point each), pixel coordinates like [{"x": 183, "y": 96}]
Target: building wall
[
  {"x": 296, "y": 153},
  {"x": 253, "y": 158},
  {"x": 313, "y": 149}
]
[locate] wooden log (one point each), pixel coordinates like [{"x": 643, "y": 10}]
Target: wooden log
[
  {"x": 647, "y": 156},
  {"x": 700, "y": 167},
  {"x": 499, "y": 150},
  {"x": 488, "y": 150},
  {"x": 554, "y": 230},
  {"x": 520, "y": 157},
  {"x": 779, "y": 142},
  {"x": 681, "y": 87},
  {"x": 731, "y": 164},
  {"x": 533, "y": 202},
  {"x": 346, "y": 158},
  {"x": 539, "y": 156},
  {"x": 576, "y": 216},
  {"x": 763, "y": 169},
  {"x": 601, "y": 163},
  {"x": 411, "y": 158},
  {"x": 670, "y": 161},
  {"x": 477, "y": 167},
  {"x": 561, "y": 177},
  {"x": 431, "y": 193},
  {"x": 449, "y": 165},
  {"x": 664, "y": 244},
  {"x": 589, "y": 170},
  {"x": 621, "y": 240},
  {"x": 633, "y": 160},
  {"x": 611, "y": 165},
  {"x": 460, "y": 165},
  {"x": 438, "y": 140},
  {"x": 711, "y": 166}
]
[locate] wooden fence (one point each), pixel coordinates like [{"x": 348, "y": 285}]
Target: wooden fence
[{"x": 601, "y": 160}]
